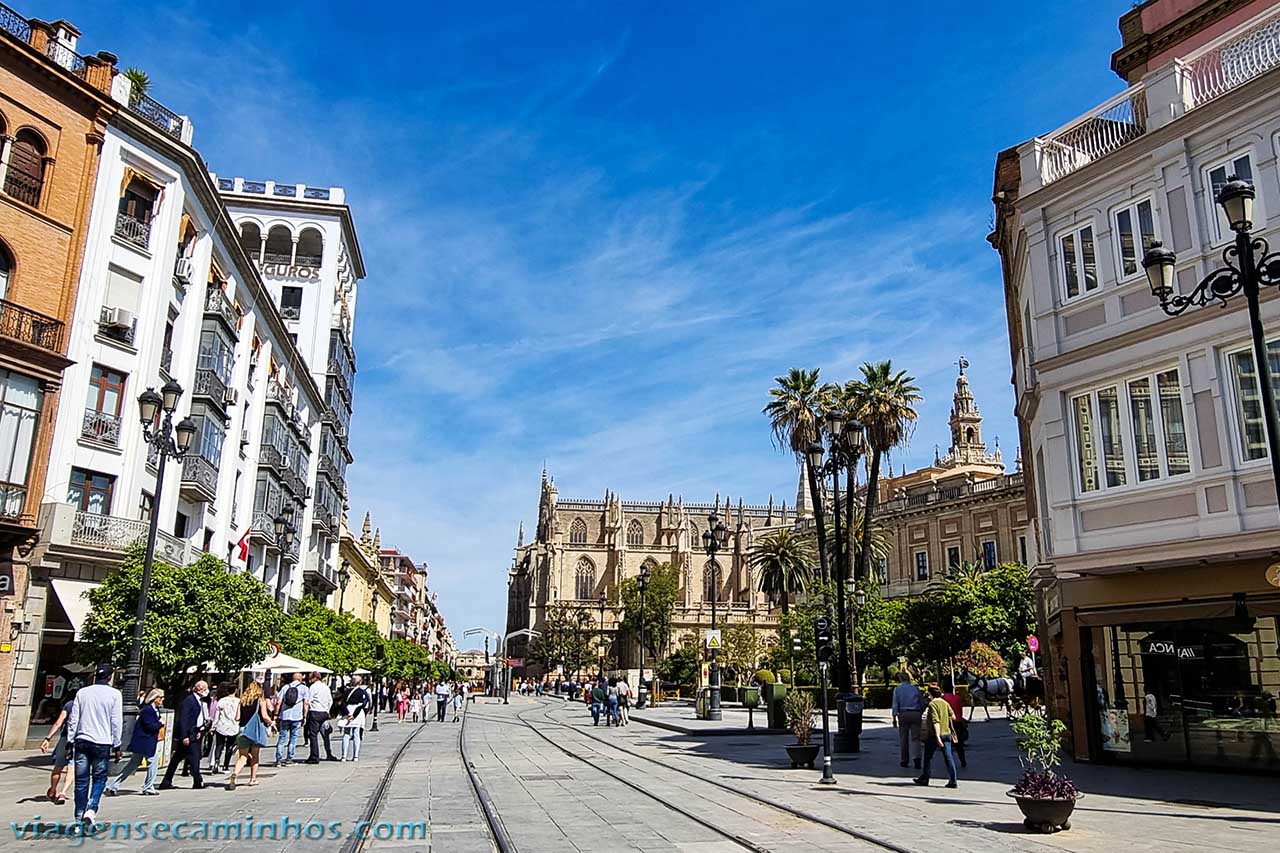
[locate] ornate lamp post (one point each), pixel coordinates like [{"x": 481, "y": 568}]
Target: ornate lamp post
[
  {"x": 714, "y": 539},
  {"x": 169, "y": 441},
  {"x": 643, "y": 583},
  {"x": 1250, "y": 265},
  {"x": 344, "y": 578},
  {"x": 285, "y": 532}
]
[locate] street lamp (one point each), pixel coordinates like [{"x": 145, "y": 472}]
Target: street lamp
[
  {"x": 344, "y": 578},
  {"x": 714, "y": 539},
  {"x": 169, "y": 440},
  {"x": 1250, "y": 265},
  {"x": 285, "y": 532},
  {"x": 643, "y": 583},
  {"x": 602, "y": 647}
]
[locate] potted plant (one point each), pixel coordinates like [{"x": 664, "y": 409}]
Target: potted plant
[
  {"x": 1045, "y": 797},
  {"x": 800, "y": 719}
]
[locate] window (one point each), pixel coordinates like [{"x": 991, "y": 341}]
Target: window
[
  {"x": 106, "y": 391},
  {"x": 279, "y": 246},
  {"x": 989, "y": 554},
  {"x": 1022, "y": 549},
  {"x": 291, "y": 302},
  {"x": 1240, "y": 166},
  {"x": 578, "y": 532},
  {"x": 635, "y": 533},
  {"x": 310, "y": 248},
  {"x": 216, "y": 355},
  {"x": 584, "y": 582},
  {"x": 711, "y": 581},
  {"x": 922, "y": 565},
  {"x": 19, "y": 417},
  {"x": 146, "y": 505},
  {"x": 1079, "y": 262},
  {"x": 953, "y": 557},
  {"x": 1135, "y": 231},
  {"x": 210, "y": 438},
  {"x": 24, "y": 179},
  {"x": 251, "y": 239},
  {"x": 1253, "y": 429},
  {"x": 1143, "y": 436},
  {"x": 882, "y": 569},
  {"x": 180, "y": 524},
  {"x": 90, "y": 491}
]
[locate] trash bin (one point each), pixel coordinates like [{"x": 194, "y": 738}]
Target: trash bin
[
  {"x": 703, "y": 703},
  {"x": 848, "y": 723},
  {"x": 775, "y": 696}
]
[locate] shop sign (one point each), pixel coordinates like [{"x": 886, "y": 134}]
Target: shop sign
[
  {"x": 303, "y": 273},
  {"x": 1115, "y": 730},
  {"x": 1164, "y": 647},
  {"x": 1273, "y": 574},
  {"x": 6, "y": 580}
]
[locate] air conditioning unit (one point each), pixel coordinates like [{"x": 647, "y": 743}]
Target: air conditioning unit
[
  {"x": 117, "y": 318},
  {"x": 184, "y": 270},
  {"x": 230, "y": 396}
]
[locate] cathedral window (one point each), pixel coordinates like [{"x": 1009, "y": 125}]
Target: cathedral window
[
  {"x": 635, "y": 533},
  {"x": 578, "y": 532},
  {"x": 694, "y": 542},
  {"x": 584, "y": 583},
  {"x": 710, "y": 581}
]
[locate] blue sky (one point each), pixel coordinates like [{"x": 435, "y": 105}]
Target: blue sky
[{"x": 595, "y": 232}]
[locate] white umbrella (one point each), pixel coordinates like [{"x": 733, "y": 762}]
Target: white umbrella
[{"x": 280, "y": 662}]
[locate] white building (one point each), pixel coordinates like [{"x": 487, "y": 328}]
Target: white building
[
  {"x": 304, "y": 243},
  {"x": 1150, "y": 488}
]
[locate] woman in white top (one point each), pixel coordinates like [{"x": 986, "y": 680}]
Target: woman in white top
[
  {"x": 226, "y": 725},
  {"x": 415, "y": 706},
  {"x": 354, "y": 704}
]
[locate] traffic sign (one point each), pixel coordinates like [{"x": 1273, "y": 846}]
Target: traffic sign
[
  {"x": 1033, "y": 643},
  {"x": 713, "y": 638},
  {"x": 822, "y": 638}
]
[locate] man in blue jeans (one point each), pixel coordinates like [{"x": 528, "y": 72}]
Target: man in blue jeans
[
  {"x": 939, "y": 734},
  {"x": 94, "y": 728},
  {"x": 295, "y": 702}
]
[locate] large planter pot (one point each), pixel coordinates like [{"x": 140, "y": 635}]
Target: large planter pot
[
  {"x": 1045, "y": 815},
  {"x": 802, "y": 755}
]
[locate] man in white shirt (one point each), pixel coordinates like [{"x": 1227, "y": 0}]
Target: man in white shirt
[
  {"x": 442, "y": 699},
  {"x": 318, "y": 718},
  {"x": 94, "y": 727}
]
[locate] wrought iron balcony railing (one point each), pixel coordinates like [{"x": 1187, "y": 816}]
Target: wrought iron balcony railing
[
  {"x": 158, "y": 115},
  {"x": 209, "y": 385},
  {"x": 217, "y": 304},
  {"x": 14, "y": 24},
  {"x": 25, "y": 187},
  {"x": 13, "y": 500},
  {"x": 30, "y": 327},
  {"x": 110, "y": 533},
  {"x": 133, "y": 230},
  {"x": 1239, "y": 57},
  {"x": 201, "y": 473},
  {"x": 101, "y": 427}
]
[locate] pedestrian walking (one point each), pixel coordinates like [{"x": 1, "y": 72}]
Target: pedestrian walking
[
  {"x": 64, "y": 771},
  {"x": 1151, "y": 717},
  {"x": 94, "y": 725},
  {"x": 355, "y": 704},
  {"x": 226, "y": 726},
  {"x": 189, "y": 728},
  {"x": 256, "y": 722},
  {"x": 457, "y": 703},
  {"x": 908, "y": 705},
  {"x": 611, "y": 696},
  {"x": 960, "y": 724},
  {"x": 319, "y": 703},
  {"x": 143, "y": 745},
  {"x": 415, "y": 707},
  {"x": 211, "y": 714},
  {"x": 599, "y": 698},
  {"x": 402, "y": 703},
  {"x": 624, "y": 702},
  {"x": 294, "y": 705},
  {"x": 939, "y": 735},
  {"x": 442, "y": 699}
]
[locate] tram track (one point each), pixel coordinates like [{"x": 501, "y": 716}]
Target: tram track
[{"x": 359, "y": 843}]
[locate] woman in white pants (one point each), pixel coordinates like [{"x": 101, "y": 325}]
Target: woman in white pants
[{"x": 356, "y": 701}]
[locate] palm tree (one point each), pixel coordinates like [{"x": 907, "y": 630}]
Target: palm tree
[
  {"x": 783, "y": 560},
  {"x": 141, "y": 83},
  {"x": 884, "y": 401}
]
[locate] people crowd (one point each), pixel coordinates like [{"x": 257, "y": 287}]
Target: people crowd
[{"x": 220, "y": 730}]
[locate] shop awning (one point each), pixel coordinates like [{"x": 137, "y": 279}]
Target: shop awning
[
  {"x": 1172, "y": 612},
  {"x": 285, "y": 663},
  {"x": 71, "y": 594}
]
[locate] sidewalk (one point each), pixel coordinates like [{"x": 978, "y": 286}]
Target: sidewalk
[
  {"x": 327, "y": 793},
  {"x": 1124, "y": 808}
]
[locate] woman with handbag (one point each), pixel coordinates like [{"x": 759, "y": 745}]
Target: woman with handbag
[
  {"x": 256, "y": 724},
  {"x": 356, "y": 701}
]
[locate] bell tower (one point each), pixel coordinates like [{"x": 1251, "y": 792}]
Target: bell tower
[{"x": 966, "y": 422}]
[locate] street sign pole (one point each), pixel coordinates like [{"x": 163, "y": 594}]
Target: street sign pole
[{"x": 828, "y": 778}]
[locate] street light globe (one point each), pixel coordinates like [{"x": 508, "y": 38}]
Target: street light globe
[
  {"x": 185, "y": 434},
  {"x": 814, "y": 455},
  {"x": 169, "y": 393},
  {"x": 280, "y": 523},
  {"x": 1158, "y": 263},
  {"x": 1236, "y": 198},
  {"x": 722, "y": 534},
  {"x": 707, "y": 539},
  {"x": 854, "y": 435},
  {"x": 835, "y": 424},
  {"x": 149, "y": 406}
]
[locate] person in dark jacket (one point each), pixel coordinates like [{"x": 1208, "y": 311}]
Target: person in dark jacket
[
  {"x": 142, "y": 745},
  {"x": 190, "y": 725}
]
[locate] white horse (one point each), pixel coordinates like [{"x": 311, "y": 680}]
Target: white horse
[{"x": 985, "y": 690}]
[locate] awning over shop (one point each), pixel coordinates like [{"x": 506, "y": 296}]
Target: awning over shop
[
  {"x": 281, "y": 662},
  {"x": 1178, "y": 612},
  {"x": 71, "y": 594}
]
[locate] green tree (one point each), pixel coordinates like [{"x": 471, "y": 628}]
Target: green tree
[
  {"x": 783, "y": 562},
  {"x": 337, "y": 641},
  {"x": 997, "y": 605},
  {"x": 681, "y": 666},
  {"x": 936, "y": 627},
  {"x": 798, "y": 623},
  {"x": 405, "y": 659},
  {"x": 195, "y": 614},
  {"x": 660, "y": 598},
  {"x": 741, "y": 650},
  {"x": 980, "y": 659},
  {"x": 879, "y": 630},
  {"x": 141, "y": 81},
  {"x": 565, "y": 640}
]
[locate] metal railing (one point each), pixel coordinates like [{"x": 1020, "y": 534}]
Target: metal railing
[
  {"x": 111, "y": 533},
  {"x": 157, "y": 114},
  {"x": 30, "y": 327},
  {"x": 66, "y": 57},
  {"x": 110, "y": 327},
  {"x": 202, "y": 473},
  {"x": 270, "y": 455},
  {"x": 1118, "y": 121},
  {"x": 13, "y": 499},
  {"x": 133, "y": 230},
  {"x": 1237, "y": 59},
  {"x": 290, "y": 312},
  {"x": 209, "y": 384},
  {"x": 277, "y": 258},
  {"x": 953, "y": 493},
  {"x": 14, "y": 24},
  {"x": 217, "y": 304},
  {"x": 100, "y": 426},
  {"x": 25, "y": 187},
  {"x": 166, "y": 359},
  {"x": 263, "y": 527}
]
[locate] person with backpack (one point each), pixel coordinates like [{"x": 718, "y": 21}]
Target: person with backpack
[{"x": 294, "y": 705}]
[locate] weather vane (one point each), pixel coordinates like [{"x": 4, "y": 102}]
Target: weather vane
[{"x": 963, "y": 362}]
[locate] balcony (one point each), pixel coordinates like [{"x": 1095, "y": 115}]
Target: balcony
[
  {"x": 108, "y": 533},
  {"x": 1092, "y": 137},
  {"x": 270, "y": 455},
  {"x": 218, "y": 305},
  {"x": 262, "y": 529},
  {"x": 133, "y": 231},
  {"x": 30, "y": 327},
  {"x": 318, "y": 578},
  {"x": 322, "y": 517},
  {"x": 1236, "y": 58},
  {"x": 199, "y": 479},
  {"x": 1003, "y": 485},
  {"x": 100, "y": 427},
  {"x": 329, "y": 468},
  {"x": 209, "y": 386},
  {"x": 158, "y": 115},
  {"x": 117, "y": 324}
]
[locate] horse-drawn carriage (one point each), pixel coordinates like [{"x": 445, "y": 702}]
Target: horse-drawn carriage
[{"x": 1018, "y": 695}]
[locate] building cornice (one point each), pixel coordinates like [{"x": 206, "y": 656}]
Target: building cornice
[{"x": 1136, "y": 51}]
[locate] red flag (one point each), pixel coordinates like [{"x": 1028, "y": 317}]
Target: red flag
[{"x": 243, "y": 544}]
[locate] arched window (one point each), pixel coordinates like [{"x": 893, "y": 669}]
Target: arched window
[
  {"x": 584, "y": 581},
  {"x": 25, "y": 178},
  {"x": 712, "y": 576},
  {"x": 694, "y": 542},
  {"x": 635, "y": 533},
  {"x": 578, "y": 532},
  {"x": 6, "y": 268},
  {"x": 968, "y": 435},
  {"x": 279, "y": 246},
  {"x": 310, "y": 248},
  {"x": 251, "y": 238}
]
